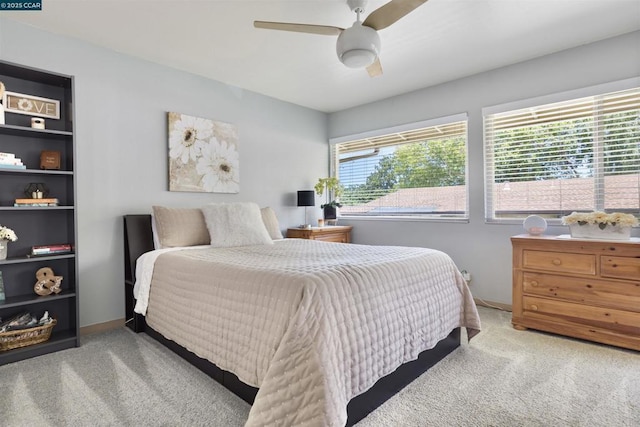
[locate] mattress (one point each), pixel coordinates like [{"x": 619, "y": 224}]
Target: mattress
[{"x": 311, "y": 324}]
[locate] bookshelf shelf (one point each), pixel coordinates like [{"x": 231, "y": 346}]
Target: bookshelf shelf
[
  {"x": 39, "y": 133},
  {"x": 20, "y": 300},
  {"x": 36, "y": 258},
  {"x": 35, "y": 171},
  {"x": 32, "y": 208},
  {"x": 60, "y": 340}
]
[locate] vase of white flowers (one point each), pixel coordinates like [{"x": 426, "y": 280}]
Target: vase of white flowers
[
  {"x": 6, "y": 235},
  {"x": 600, "y": 225}
]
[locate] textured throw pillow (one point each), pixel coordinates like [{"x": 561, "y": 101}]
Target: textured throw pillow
[
  {"x": 180, "y": 227},
  {"x": 271, "y": 223},
  {"x": 235, "y": 224}
]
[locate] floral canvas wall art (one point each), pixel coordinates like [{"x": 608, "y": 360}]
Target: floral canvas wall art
[{"x": 203, "y": 155}]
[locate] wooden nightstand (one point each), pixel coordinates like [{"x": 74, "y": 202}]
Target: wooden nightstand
[{"x": 329, "y": 233}]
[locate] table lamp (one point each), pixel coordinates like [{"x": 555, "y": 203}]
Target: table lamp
[{"x": 306, "y": 198}]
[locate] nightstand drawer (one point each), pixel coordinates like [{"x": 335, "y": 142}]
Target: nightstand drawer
[
  {"x": 336, "y": 233},
  {"x": 619, "y": 295},
  {"x": 333, "y": 237},
  {"x": 561, "y": 262},
  {"x": 620, "y": 267}
]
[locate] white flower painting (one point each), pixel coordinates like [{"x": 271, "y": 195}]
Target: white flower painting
[{"x": 203, "y": 155}]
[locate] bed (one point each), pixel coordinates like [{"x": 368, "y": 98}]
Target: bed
[{"x": 311, "y": 333}]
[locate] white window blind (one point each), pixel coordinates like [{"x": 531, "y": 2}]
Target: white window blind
[
  {"x": 554, "y": 159},
  {"x": 419, "y": 172}
]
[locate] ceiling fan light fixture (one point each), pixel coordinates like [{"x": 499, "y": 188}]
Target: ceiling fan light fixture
[
  {"x": 358, "y": 58},
  {"x": 358, "y": 46}
]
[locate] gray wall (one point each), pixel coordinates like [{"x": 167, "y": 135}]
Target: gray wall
[
  {"x": 121, "y": 136},
  {"x": 482, "y": 249}
]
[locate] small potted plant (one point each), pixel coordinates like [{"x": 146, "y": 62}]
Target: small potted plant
[{"x": 333, "y": 189}]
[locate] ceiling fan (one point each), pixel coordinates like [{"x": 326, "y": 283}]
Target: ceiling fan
[{"x": 359, "y": 45}]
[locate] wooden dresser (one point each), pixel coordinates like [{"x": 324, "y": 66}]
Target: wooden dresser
[
  {"x": 587, "y": 289},
  {"x": 330, "y": 233}
]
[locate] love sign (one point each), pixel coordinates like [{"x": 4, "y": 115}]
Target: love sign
[{"x": 31, "y": 105}]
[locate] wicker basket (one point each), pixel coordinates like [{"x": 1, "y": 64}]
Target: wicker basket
[{"x": 25, "y": 337}]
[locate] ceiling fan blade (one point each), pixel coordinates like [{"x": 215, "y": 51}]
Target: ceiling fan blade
[
  {"x": 375, "y": 69},
  {"x": 391, "y": 12},
  {"x": 325, "y": 30}
]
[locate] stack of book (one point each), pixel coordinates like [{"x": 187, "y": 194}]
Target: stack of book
[
  {"x": 10, "y": 161},
  {"x": 36, "y": 202},
  {"x": 51, "y": 249}
]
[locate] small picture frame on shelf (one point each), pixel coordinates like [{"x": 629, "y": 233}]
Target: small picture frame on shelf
[
  {"x": 20, "y": 103},
  {"x": 50, "y": 160}
]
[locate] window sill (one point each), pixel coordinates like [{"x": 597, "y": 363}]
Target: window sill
[{"x": 400, "y": 218}]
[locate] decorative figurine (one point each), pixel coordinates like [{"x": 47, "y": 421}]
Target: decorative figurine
[
  {"x": 48, "y": 282},
  {"x": 36, "y": 190},
  {"x": 37, "y": 123}
]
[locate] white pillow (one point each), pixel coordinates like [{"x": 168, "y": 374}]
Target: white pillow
[
  {"x": 235, "y": 224},
  {"x": 271, "y": 223}
]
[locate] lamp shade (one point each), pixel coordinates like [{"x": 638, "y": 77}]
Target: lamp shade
[{"x": 306, "y": 198}]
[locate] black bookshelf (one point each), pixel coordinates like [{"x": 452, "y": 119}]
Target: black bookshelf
[{"x": 36, "y": 225}]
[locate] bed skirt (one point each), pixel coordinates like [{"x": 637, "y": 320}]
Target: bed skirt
[{"x": 358, "y": 407}]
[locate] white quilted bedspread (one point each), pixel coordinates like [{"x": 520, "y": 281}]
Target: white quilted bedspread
[{"x": 312, "y": 324}]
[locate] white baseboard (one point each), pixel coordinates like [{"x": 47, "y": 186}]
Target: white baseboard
[{"x": 500, "y": 306}]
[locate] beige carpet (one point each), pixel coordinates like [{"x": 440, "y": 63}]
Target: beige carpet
[
  {"x": 506, "y": 377},
  {"x": 503, "y": 377}
]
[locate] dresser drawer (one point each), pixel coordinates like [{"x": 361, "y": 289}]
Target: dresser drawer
[
  {"x": 619, "y": 295},
  {"x": 620, "y": 267},
  {"x": 558, "y": 261},
  {"x": 618, "y": 320}
]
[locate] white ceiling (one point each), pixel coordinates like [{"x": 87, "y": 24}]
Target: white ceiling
[{"x": 440, "y": 41}]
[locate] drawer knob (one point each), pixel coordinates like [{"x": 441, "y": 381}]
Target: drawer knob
[
  {"x": 556, "y": 261},
  {"x": 534, "y": 307},
  {"x": 533, "y": 283}
]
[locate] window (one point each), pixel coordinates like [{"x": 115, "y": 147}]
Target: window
[
  {"x": 418, "y": 170},
  {"x": 554, "y": 159}
]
